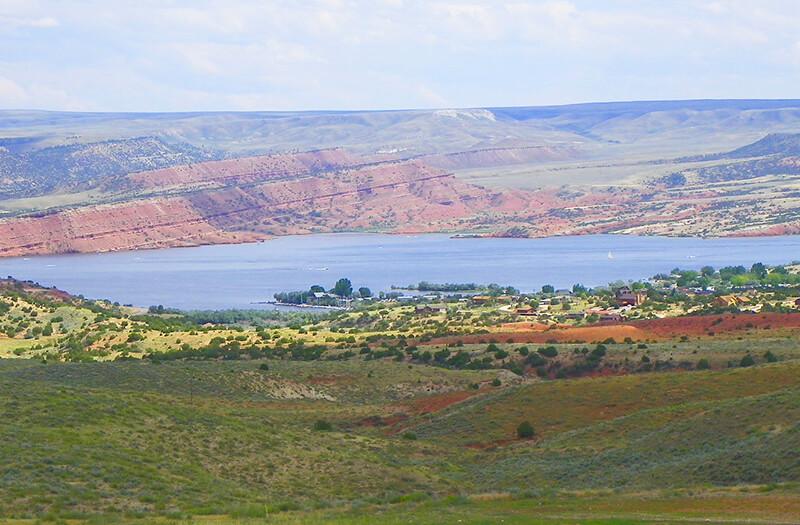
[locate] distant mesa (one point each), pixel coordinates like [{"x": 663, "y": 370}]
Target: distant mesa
[{"x": 80, "y": 182}]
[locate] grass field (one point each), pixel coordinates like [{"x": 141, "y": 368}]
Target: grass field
[
  {"x": 130, "y": 440},
  {"x": 343, "y": 420}
]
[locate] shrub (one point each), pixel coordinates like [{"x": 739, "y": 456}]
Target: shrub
[
  {"x": 409, "y": 435},
  {"x": 599, "y": 351},
  {"x": 747, "y": 361},
  {"x": 770, "y": 357},
  {"x": 703, "y": 364},
  {"x": 525, "y": 430},
  {"x": 321, "y": 425},
  {"x": 515, "y": 368},
  {"x": 500, "y": 354},
  {"x": 549, "y": 351},
  {"x": 536, "y": 360},
  {"x": 263, "y": 366},
  {"x": 496, "y": 382}
]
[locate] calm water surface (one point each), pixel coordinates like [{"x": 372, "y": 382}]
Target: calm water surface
[{"x": 238, "y": 276}]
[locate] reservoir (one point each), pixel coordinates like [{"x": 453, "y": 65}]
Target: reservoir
[{"x": 243, "y": 275}]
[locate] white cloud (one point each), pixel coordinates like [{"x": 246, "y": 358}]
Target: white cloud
[
  {"x": 12, "y": 93},
  {"x": 288, "y": 54},
  {"x": 36, "y": 96}
]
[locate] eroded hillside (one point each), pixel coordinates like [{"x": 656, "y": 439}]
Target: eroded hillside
[
  {"x": 99, "y": 182},
  {"x": 247, "y": 199}
]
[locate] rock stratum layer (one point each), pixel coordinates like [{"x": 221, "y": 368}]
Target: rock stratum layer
[
  {"x": 248, "y": 199},
  {"x": 254, "y": 198},
  {"x": 74, "y": 182}
]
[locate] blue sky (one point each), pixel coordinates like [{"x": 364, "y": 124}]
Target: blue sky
[{"x": 180, "y": 55}]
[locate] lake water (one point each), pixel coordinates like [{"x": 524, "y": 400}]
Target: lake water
[{"x": 238, "y": 276}]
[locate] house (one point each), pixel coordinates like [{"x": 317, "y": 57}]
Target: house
[
  {"x": 425, "y": 310},
  {"x": 525, "y": 310},
  {"x": 726, "y": 301},
  {"x": 576, "y": 316},
  {"x": 627, "y": 297},
  {"x": 480, "y": 299},
  {"x": 606, "y": 315}
]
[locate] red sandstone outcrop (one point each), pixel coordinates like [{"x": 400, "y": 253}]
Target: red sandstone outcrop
[
  {"x": 247, "y": 199},
  {"x": 243, "y": 200}
]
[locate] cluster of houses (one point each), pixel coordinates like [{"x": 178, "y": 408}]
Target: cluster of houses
[{"x": 624, "y": 296}]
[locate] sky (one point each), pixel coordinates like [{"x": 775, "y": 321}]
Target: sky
[{"x": 204, "y": 55}]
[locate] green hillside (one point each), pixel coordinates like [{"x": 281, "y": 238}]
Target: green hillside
[
  {"x": 134, "y": 439},
  {"x": 379, "y": 414}
]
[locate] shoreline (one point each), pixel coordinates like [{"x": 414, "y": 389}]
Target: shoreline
[
  {"x": 293, "y": 305},
  {"x": 260, "y": 238}
]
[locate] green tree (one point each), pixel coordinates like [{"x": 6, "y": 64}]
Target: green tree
[
  {"x": 707, "y": 271},
  {"x": 364, "y": 292},
  {"x": 548, "y": 288},
  {"x": 343, "y": 288},
  {"x": 747, "y": 361},
  {"x": 525, "y": 430},
  {"x": 759, "y": 270}
]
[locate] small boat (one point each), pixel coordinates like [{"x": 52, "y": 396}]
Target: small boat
[{"x": 610, "y": 255}]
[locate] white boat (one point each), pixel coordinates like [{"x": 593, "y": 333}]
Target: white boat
[{"x": 610, "y": 255}]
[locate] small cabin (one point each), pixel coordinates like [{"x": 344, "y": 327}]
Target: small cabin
[
  {"x": 526, "y": 310},
  {"x": 426, "y": 310}
]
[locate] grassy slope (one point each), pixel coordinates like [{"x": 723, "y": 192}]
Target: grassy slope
[{"x": 206, "y": 438}]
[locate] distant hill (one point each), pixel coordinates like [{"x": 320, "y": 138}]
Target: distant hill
[
  {"x": 415, "y": 132},
  {"x": 777, "y": 144},
  {"x": 45, "y": 170},
  {"x": 111, "y": 181},
  {"x": 777, "y": 154}
]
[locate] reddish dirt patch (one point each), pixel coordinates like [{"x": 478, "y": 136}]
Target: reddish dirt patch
[
  {"x": 654, "y": 329},
  {"x": 719, "y": 324},
  {"x": 424, "y": 405}
]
